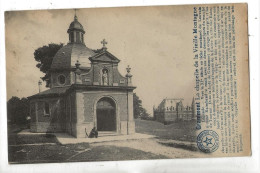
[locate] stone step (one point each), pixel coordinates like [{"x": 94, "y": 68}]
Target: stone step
[{"x": 107, "y": 133}]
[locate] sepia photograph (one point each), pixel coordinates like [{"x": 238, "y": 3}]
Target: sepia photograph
[{"x": 127, "y": 83}]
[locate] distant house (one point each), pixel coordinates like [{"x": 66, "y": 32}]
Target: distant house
[{"x": 172, "y": 110}]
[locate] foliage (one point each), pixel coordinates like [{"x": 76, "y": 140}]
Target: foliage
[
  {"x": 44, "y": 56},
  {"x": 17, "y": 110},
  {"x": 139, "y": 111}
]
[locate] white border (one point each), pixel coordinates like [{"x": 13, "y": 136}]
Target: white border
[{"x": 235, "y": 164}]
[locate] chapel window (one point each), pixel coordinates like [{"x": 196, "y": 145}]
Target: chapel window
[
  {"x": 77, "y": 37},
  {"x": 71, "y": 37},
  {"x": 82, "y": 38},
  {"x": 61, "y": 79},
  {"x": 46, "y": 109}
]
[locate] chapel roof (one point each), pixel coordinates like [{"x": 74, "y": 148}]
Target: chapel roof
[
  {"x": 104, "y": 56},
  {"x": 75, "y": 25},
  {"x": 68, "y": 55},
  {"x": 56, "y": 91},
  {"x": 75, "y": 50}
]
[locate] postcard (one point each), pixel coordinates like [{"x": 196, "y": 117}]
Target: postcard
[{"x": 127, "y": 83}]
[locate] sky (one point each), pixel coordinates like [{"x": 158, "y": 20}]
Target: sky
[{"x": 155, "y": 41}]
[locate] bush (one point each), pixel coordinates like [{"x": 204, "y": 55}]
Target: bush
[{"x": 17, "y": 110}]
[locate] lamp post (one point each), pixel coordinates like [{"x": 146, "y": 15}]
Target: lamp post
[{"x": 129, "y": 83}]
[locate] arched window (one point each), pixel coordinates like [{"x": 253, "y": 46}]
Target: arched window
[
  {"x": 46, "y": 109},
  {"x": 77, "y": 37},
  {"x": 82, "y": 38},
  {"x": 71, "y": 37}
]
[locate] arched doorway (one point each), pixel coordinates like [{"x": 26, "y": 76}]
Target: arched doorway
[{"x": 106, "y": 114}]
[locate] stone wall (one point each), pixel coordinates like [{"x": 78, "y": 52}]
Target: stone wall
[
  {"x": 70, "y": 114},
  {"x": 94, "y": 76},
  {"x": 76, "y": 112},
  {"x": 47, "y": 122},
  {"x": 86, "y": 110}
]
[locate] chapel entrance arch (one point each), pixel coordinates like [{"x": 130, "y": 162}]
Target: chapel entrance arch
[{"x": 106, "y": 114}]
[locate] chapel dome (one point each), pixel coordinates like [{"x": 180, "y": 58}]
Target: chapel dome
[
  {"x": 75, "y": 25},
  {"x": 75, "y": 50},
  {"x": 68, "y": 55}
]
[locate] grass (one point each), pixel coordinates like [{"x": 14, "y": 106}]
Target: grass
[
  {"x": 14, "y": 139},
  {"x": 183, "y": 131},
  {"x": 83, "y": 152},
  {"x": 112, "y": 153},
  {"x": 20, "y": 152},
  {"x": 39, "y": 153}
]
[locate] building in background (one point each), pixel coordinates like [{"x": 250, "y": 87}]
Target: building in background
[{"x": 172, "y": 110}]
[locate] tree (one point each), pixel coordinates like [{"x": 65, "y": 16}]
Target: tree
[
  {"x": 17, "y": 110},
  {"x": 44, "y": 56},
  {"x": 139, "y": 111}
]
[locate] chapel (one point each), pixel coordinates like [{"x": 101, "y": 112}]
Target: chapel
[{"x": 86, "y": 91}]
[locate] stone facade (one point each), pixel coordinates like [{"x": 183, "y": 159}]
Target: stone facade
[
  {"x": 172, "y": 110},
  {"x": 82, "y": 97}
]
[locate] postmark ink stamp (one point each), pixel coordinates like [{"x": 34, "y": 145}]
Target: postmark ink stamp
[{"x": 208, "y": 141}]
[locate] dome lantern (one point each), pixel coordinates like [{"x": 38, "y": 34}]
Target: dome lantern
[{"x": 76, "y": 31}]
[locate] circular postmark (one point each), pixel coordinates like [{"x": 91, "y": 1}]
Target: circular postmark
[{"x": 208, "y": 141}]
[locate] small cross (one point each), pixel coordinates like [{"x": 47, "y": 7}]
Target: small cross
[
  {"x": 104, "y": 43},
  {"x": 128, "y": 69}
]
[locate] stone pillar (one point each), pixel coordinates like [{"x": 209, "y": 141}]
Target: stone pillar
[
  {"x": 72, "y": 77},
  {"x": 130, "y": 118},
  {"x": 130, "y": 109},
  {"x": 78, "y": 79}
]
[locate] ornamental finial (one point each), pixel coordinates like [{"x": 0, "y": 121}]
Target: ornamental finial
[
  {"x": 75, "y": 16},
  {"x": 77, "y": 71},
  {"x": 77, "y": 64},
  {"x": 129, "y": 76}
]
